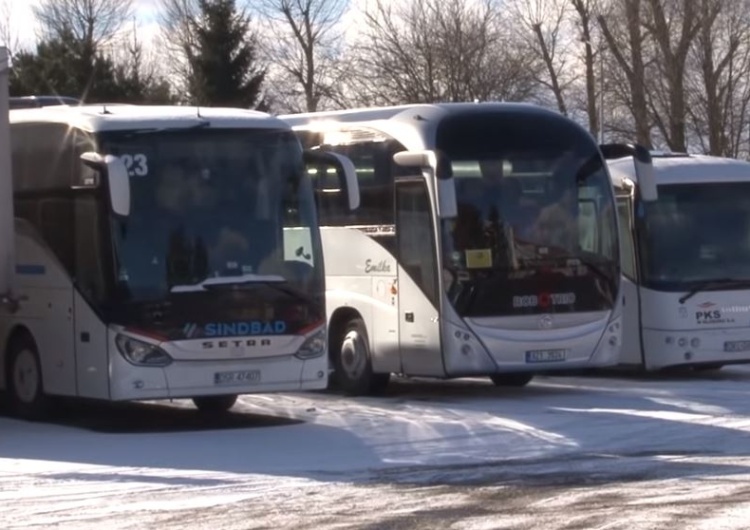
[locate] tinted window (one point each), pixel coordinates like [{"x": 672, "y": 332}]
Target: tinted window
[
  {"x": 372, "y": 156},
  {"x": 627, "y": 249},
  {"x": 214, "y": 203},
  {"x": 536, "y": 226},
  {"x": 696, "y": 232},
  {"x": 416, "y": 247},
  {"x": 57, "y": 228},
  {"x": 44, "y": 157},
  {"x": 89, "y": 249}
]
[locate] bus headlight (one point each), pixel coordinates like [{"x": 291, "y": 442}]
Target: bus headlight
[
  {"x": 314, "y": 346},
  {"x": 141, "y": 353}
]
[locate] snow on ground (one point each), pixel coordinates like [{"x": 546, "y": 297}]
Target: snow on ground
[{"x": 566, "y": 452}]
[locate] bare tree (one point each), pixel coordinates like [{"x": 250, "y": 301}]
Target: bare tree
[
  {"x": 721, "y": 64},
  {"x": 138, "y": 72},
  {"x": 305, "y": 45},
  {"x": 584, "y": 10},
  {"x": 673, "y": 25},
  {"x": 438, "y": 50},
  {"x": 622, "y": 30},
  {"x": 177, "y": 39},
  {"x": 548, "y": 34},
  {"x": 9, "y": 36},
  {"x": 90, "y": 22}
]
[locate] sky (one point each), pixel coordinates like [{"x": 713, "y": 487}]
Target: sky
[{"x": 20, "y": 14}]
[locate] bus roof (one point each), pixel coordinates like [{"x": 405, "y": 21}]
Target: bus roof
[
  {"x": 114, "y": 117},
  {"x": 682, "y": 168},
  {"x": 408, "y": 112},
  {"x": 413, "y": 125}
]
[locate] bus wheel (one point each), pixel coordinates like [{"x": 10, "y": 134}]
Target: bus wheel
[
  {"x": 511, "y": 379},
  {"x": 27, "y": 399},
  {"x": 353, "y": 363},
  {"x": 215, "y": 404}
]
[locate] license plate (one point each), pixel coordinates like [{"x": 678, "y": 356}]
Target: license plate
[
  {"x": 545, "y": 356},
  {"x": 737, "y": 345},
  {"x": 237, "y": 378}
]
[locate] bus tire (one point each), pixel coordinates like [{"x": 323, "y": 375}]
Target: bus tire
[
  {"x": 512, "y": 379},
  {"x": 215, "y": 404},
  {"x": 24, "y": 381},
  {"x": 352, "y": 362}
]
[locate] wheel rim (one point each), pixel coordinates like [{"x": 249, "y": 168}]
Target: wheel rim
[
  {"x": 353, "y": 355},
  {"x": 26, "y": 377}
]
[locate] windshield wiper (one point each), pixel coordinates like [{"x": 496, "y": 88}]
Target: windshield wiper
[
  {"x": 712, "y": 284},
  {"x": 275, "y": 282},
  {"x": 226, "y": 281},
  {"x": 290, "y": 291}
]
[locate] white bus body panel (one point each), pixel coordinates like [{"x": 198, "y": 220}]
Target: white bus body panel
[
  {"x": 92, "y": 351},
  {"x": 588, "y": 339},
  {"x": 45, "y": 311},
  {"x": 192, "y": 373},
  {"x": 419, "y": 334},
  {"x": 696, "y": 331},
  {"x": 364, "y": 281}
]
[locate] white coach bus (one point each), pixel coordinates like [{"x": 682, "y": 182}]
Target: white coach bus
[
  {"x": 686, "y": 262},
  {"x": 157, "y": 256},
  {"x": 486, "y": 243}
]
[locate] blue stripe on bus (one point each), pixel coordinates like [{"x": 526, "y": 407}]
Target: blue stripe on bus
[{"x": 31, "y": 270}]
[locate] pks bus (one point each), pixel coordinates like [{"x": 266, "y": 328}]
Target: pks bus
[{"x": 686, "y": 262}]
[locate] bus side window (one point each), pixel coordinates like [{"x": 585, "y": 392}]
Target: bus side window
[
  {"x": 43, "y": 157},
  {"x": 88, "y": 249},
  {"x": 627, "y": 252},
  {"x": 329, "y": 197},
  {"x": 42, "y": 162},
  {"x": 56, "y": 227},
  {"x": 376, "y": 171}
]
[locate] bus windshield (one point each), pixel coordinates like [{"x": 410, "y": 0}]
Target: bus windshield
[
  {"x": 536, "y": 228},
  {"x": 215, "y": 209},
  {"x": 696, "y": 233}
]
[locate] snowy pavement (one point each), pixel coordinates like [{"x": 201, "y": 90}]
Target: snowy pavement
[{"x": 565, "y": 452}]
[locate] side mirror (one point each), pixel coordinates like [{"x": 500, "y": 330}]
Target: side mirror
[
  {"x": 443, "y": 185},
  {"x": 644, "y": 168},
  {"x": 425, "y": 159},
  {"x": 344, "y": 168},
  {"x": 114, "y": 170}
]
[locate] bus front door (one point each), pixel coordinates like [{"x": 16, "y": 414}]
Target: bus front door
[{"x": 418, "y": 287}]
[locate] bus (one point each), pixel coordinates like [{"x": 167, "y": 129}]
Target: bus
[
  {"x": 162, "y": 253},
  {"x": 685, "y": 262},
  {"x": 485, "y": 244}
]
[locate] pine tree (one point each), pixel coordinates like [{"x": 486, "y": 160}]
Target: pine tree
[
  {"x": 63, "y": 65},
  {"x": 67, "y": 66},
  {"x": 223, "y": 59}
]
